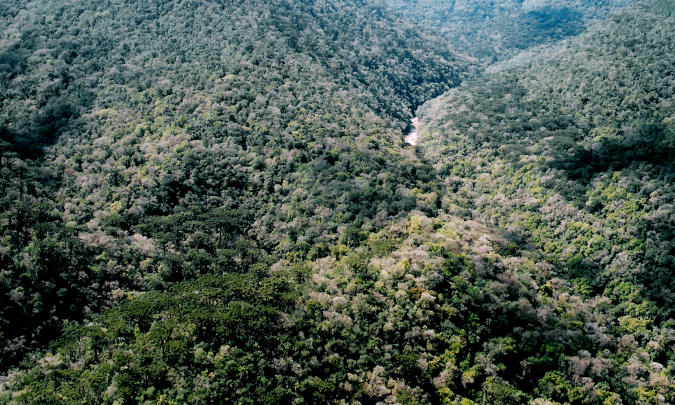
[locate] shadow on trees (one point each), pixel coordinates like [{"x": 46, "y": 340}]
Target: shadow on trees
[
  {"x": 42, "y": 128},
  {"x": 649, "y": 142}
]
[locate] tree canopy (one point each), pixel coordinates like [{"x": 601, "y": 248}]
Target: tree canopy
[{"x": 211, "y": 202}]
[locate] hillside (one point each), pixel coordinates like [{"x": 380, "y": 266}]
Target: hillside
[
  {"x": 211, "y": 202},
  {"x": 575, "y": 153},
  {"x": 496, "y": 31},
  {"x": 400, "y": 317},
  {"x": 664, "y": 7},
  {"x": 150, "y": 143}
]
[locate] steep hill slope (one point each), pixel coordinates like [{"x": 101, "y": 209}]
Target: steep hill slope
[
  {"x": 173, "y": 137},
  {"x": 492, "y": 31},
  {"x": 575, "y": 152}
]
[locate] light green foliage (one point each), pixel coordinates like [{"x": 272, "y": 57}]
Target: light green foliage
[
  {"x": 575, "y": 153},
  {"x": 411, "y": 326},
  {"x": 434, "y": 321}
]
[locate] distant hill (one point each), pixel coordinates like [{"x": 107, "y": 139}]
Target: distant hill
[{"x": 495, "y": 31}]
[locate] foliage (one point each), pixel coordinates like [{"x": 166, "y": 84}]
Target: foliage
[
  {"x": 577, "y": 157},
  {"x": 149, "y": 143},
  {"x": 665, "y": 7},
  {"x": 496, "y": 31},
  {"x": 433, "y": 320},
  {"x": 210, "y": 202}
]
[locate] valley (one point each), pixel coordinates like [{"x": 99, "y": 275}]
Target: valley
[{"x": 337, "y": 202}]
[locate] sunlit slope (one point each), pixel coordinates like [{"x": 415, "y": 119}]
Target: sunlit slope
[
  {"x": 425, "y": 311},
  {"x": 397, "y": 315},
  {"x": 576, "y": 152}
]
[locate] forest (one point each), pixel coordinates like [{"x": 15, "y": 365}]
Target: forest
[
  {"x": 493, "y": 31},
  {"x": 208, "y": 202},
  {"x": 275, "y": 144}
]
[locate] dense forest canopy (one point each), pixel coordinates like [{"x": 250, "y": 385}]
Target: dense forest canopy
[
  {"x": 156, "y": 124},
  {"x": 211, "y": 202},
  {"x": 576, "y": 153},
  {"x": 497, "y": 30},
  {"x": 664, "y": 7}
]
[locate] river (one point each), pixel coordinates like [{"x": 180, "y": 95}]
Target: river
[{"x": 411, "y": 138}]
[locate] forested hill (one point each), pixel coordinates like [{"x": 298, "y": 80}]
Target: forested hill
[
  {"x": 664, "y": 7},
  {"x": 577, "y": 153},
  {"x": 208, "y": 202},
  {"x": 61, "y": 60},
  {"x": 147, "y": 143},
  {"x": 497, "y": 30}
]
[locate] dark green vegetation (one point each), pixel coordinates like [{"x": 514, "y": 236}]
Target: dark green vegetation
[
  {"x": 421, "y": 324},
  {"x": 209, "y": 202},
  {"x": 496, "y": 30},
  {"x": 170, "y": 133}
]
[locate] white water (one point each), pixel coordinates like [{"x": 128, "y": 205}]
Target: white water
[{"x": 411, "y": 138}]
